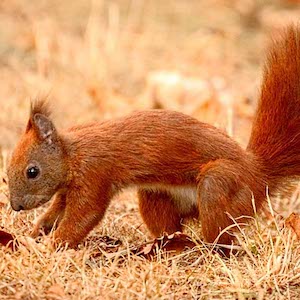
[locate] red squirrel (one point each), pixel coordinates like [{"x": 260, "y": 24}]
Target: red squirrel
[{"x": 182, "y": 168}]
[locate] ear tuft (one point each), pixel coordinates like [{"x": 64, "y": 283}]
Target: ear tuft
[
  {"x": 38, "y": 106},
  {"x": 40, "y": 121}
]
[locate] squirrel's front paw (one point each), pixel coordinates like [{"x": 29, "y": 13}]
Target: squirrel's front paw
[
  {"x": 41, "y": 227},
  {"x": 60, "y": 240},
  {"x": 36, "y": 232}
]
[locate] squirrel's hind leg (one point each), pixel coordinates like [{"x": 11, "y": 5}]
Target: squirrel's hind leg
[
  {"x": 224, "y": 194},
  {"x": 159, "y": 212}
]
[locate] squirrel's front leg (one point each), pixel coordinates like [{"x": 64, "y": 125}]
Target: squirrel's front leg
[
  {"x": 83, "y": 211},
  {"x": 52, "y": 216}
]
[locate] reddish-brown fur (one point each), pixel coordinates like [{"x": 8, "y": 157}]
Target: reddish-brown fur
[{"x": 182, "y": 167}]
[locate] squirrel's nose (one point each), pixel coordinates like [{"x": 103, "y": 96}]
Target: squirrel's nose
[
  {"x": 20, "y": 207},
  {"x": 16, "y": 206}
]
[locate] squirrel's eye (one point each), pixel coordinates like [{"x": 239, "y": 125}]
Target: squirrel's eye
[{"x": 32, "y": 172}]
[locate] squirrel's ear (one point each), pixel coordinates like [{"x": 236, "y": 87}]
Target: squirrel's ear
[{"x": 43, "y": 127}]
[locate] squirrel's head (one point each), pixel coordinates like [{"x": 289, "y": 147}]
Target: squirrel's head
[{"x": 37, "y": 169}]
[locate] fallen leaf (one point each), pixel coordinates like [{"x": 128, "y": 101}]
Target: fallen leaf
[
  {"x": 109, "y": 242},
  {"x": 6, "y": 239},
  {"x": 105, "y": 243},
  {"x": 174, "y": 244},
  {"x": 293, "y": 222}
]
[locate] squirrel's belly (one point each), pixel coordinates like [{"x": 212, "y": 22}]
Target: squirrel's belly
[{"x": 184, "y": 197}]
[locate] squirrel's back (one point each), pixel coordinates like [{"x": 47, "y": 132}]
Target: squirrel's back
[{"x": 146, "y": 139}]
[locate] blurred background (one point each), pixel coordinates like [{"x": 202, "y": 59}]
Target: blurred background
[{"x": 100, "y": 59}]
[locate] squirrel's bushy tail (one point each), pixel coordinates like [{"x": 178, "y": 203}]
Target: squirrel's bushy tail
[{"x": 275, "y": 137}]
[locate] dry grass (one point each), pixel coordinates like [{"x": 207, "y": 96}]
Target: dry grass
[
  {"x": 94, "y": 60},
  {"x": 266, "y": 267}
]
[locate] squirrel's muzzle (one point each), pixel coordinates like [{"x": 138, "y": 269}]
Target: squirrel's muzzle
[
  {"x": 28, "y": 201},
  {"x": 16, "y": 204}
]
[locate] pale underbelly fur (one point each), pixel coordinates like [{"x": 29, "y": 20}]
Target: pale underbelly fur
[{"x": 184, "y": 197}]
